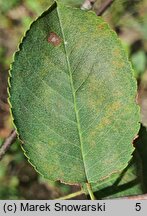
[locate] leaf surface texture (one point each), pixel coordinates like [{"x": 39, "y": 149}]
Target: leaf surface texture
[{"x": 73, "y": 97}]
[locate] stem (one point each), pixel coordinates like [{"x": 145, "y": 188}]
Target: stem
[
  {"x": 4, "y": 106},
  {"x": 71, "y": 195},
  {"x": 7, "y": 143},
  {"x": 104, "y": 7},
  {"x": 90, "y": 191}
]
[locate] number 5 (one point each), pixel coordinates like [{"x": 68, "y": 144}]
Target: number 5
[{"x": 138, "y": 207}]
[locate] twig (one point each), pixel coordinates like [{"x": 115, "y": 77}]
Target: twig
[
  {"x": 7, "y": 143},
  {"x": 71, "y": 195},
  {"x": 4, "y": 106},
  {"x": 136, "y": 197},
  {"x": 91, "y": 194},
  {"x": 104, "y": 7}
]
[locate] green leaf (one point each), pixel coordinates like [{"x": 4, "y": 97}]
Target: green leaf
[
  {"x": 139, "y": 62},
  {"x": 38, "y": 6},
  {"x": 128, "y": 182},
  {"x": 73, "y": 3},
  {"x": 73, "y": 97}
]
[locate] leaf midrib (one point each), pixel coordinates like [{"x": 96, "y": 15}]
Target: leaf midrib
[{"x": 73, "y": 93}]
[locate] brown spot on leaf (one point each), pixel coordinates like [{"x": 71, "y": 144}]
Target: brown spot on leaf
[
  {"x": 118, "y": 64},
  {"x": 102, "y": 26},
  {"x": 54, "y": 39},
  {"x": 116, "y": 52}
]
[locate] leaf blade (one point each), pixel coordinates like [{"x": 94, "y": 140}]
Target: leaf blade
[{"x": 45, "y": 114}]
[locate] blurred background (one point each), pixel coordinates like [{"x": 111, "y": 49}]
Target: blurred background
[{"x": 18, "y": 180}]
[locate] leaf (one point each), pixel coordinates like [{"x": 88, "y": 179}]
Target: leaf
[
  {"x": 126, "y": 183},
  {"x": 139, "y": 62},
  {"x": 38, "y": 6},
  {"x": 73, "y": 97},
  {"x": 73, "y": 3}
]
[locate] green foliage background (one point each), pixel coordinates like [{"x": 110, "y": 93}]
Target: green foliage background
[{"x": 18, "y": 180}]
